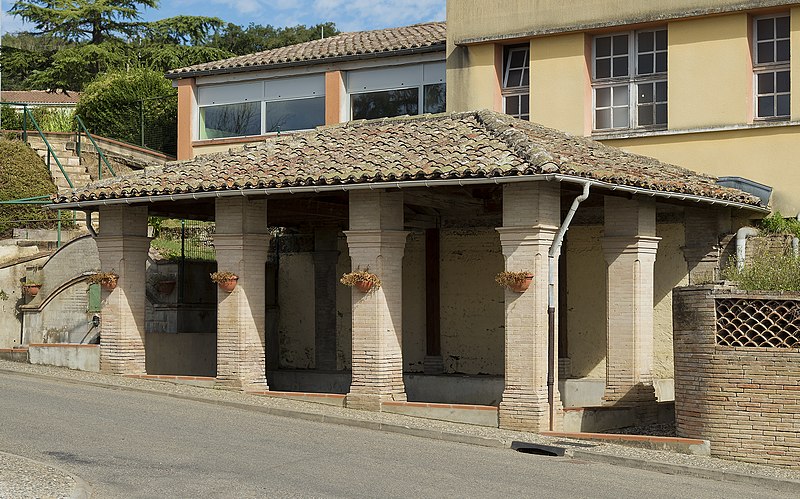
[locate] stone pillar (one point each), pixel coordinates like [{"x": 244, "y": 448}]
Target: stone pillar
[
  {"x": 531, "y": 215},
  {"x": 326, "y": 256},
  {"x": 701, "y": 250},
  {"x": 242, "y": 242},
  {"x": 630, "y": 246},
  {"x": 376, "y": 241},
  {"x": 122, "y": 244}
]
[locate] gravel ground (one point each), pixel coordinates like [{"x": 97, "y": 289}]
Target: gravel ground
[
  {"x": 505, "y": 436},
  {"x": 22, "y": 478},
  {"x": 653, "y": 430}
]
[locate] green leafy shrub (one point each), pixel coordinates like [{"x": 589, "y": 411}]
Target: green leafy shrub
[
  {"x": 766, "y": 272},
  {"x": 111, "y": 106},
  {"x": 23, "y": 174},
  {"x": 776, "y": 224}
]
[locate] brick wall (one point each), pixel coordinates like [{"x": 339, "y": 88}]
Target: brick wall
[{"x": 745, "y": 400}]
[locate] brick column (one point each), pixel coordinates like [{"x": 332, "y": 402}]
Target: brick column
[
  {"x": 123, "y": 244},
  {"x": 326, "y": 256},
  {"x": 703, "y": 226},
  {"x": 376, "y": 241},
  {"x": 630, "y": 246},
  {"x": 242, "y": 242},
  {"x": 531, "y": 215}
]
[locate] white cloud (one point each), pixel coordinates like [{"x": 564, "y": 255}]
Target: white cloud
[{"x": 352, "y": 15}]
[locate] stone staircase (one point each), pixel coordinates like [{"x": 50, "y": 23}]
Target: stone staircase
[{"x": 64, "y": 148}]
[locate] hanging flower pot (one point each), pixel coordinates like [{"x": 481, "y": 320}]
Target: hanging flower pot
[
  {"x": 106, "y": 280},
  {"x": 225, "y": 280},
  {"x": 362, "y": 280},
  {"x": 32, "y": 288},
  {"x": 517, "y": 282}
]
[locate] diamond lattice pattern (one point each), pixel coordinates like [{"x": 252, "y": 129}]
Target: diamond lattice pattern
[{"x": 758, "y": 323}]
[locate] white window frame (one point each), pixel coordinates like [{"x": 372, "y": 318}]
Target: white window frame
[
  {"x": 632, "y": 80},
  {"x": 770, "y": 67},
  {"x": 521, "y": 91}
]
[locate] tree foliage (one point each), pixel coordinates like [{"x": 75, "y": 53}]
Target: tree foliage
[{"x": 257, "y": 38}]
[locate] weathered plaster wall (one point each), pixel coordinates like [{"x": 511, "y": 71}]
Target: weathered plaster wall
[
  {"x": 471, "y": 303},
  {"x": 11, "y": 294},
  {"x": 414, "y": 320},
  {"x": 671, "y": 270},
  {"x": 191, "y": 354},
  {"x": 296, "y": 300},
  {"x": 63, "y": 319},
  {"x": 344, "y": 338}
]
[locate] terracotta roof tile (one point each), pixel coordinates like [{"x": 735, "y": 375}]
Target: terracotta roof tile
[
  {"x": 446, "y": 146},
  {"x": 40, "y": 97},
  {"x": 418, "y": 36}
]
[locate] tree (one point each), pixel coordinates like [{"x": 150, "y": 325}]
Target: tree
[
  {"x": 257, "y": 38},
  {"x": 94, "y": 21}
]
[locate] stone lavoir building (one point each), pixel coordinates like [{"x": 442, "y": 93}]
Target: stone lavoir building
[{"x": 436, "y": 206}]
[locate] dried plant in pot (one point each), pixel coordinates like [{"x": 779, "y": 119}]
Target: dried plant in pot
[
  {"x": 31, "y": 287},
  {"x": 362, "y": 280},
  {"x": 107, "y": 280},
  {"x": 225, "y": 280},
  {"x": 517, "y": 282}
]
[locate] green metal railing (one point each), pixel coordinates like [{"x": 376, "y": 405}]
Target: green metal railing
[
  {"x": 101, "y": 157},
  {"x": 39, "y": 200},
  {"x": 26, "y": 114}
]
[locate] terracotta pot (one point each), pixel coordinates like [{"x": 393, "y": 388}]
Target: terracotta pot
[
  {"x": 229, "y": 285},
  {"x": 364, "y": 286},
  {"x": 33, "y": 289},
  {"x": 109, "y": 285},
  {"x": 165, "y": 287},
  {"x": 521, "y": 287}
]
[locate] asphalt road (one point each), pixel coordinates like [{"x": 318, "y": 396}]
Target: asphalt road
[{"x": 129, "y": 444}]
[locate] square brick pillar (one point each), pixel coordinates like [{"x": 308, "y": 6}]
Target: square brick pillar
[
  {"x": 123, "y": 244},
  {"x": 531, "y": 216},
  {"x": 629, "y": 245},
  {"x": 702, "y": 251},
  {"x": 242, "y": 242},
  {"x": 326, "y": 256},
  {"x": 376, "y": 241}
]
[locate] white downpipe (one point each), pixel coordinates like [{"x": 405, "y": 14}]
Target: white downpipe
[
  {"x": 552, "y": 261},
  {"x": 741, "y": 244}
]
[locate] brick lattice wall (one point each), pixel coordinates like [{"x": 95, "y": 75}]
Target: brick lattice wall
[{"x": 745, "y": 400}]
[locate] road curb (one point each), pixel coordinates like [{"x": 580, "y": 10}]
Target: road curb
[
  {"x": 656, "y": 466},
  {"x": 680, "y": 469},
  {"x": 80, "y": 490}
]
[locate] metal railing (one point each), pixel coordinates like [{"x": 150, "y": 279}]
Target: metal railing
[
  {"x": 101, "y": 157},
  {"x": 26, "y": 114}
]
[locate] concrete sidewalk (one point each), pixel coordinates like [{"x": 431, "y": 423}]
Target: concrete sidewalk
[
  {"x": 24, "y": 478},
  {"x": 662, "y": 461}
]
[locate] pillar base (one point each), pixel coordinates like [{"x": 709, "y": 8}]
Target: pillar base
[
  {"x": 529, "y": 411},
  {"x": 433, "y": 364},
  {"x": 241, "y": 385},
  {"x": 642, "y": 397},
  {"x": 371, "y": 401}
]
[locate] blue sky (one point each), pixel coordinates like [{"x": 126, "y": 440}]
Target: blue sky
[{"x": 349, "y": 15}]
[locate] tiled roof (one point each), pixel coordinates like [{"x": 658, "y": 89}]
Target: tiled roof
[
  {"x": 41, "y": 96},
  {"x": 430, "y": 147},
  {"x": 417, "y": 36}
]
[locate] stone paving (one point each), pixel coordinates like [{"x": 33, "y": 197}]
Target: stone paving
[{"x": 481, "y": 435}]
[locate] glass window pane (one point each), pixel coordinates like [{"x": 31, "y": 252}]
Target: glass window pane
[
  {"x": 782, "y": 81},
  {"x": 434, "y": 98},
  {"x": 766, "y": 83},
  {"x": 661, "y": 40},
  {"x": 620, "y": 44},
  {"x": 518, "y": 58},
  {"x": 621, "y": 97},
  {"x": 602, "y": 97},
  {"x": 298, "y": 114},
  {"x": 766, "y": 106},
  {"x": 621, "y": 66},
  {"x": 645, "y": 93},
  {"x": 646, "y": 41},
  {"x": 661, "y": 114},
  {"x": 646, "y": 64},
  {"x": 783, "y": 51},
  {"x": 602, "y": 119},
  {"x": 645, "y": 115},
  {"x": 765, "y": 29},
  {"x": 602, "y": 46},
  {"x": 602, "y": 68},
  {"x": 385, "y": 104},
  {"x": 784, "y": 105},
  {"x": 621, "y": 118},
  {"x": 526, "y": 77},
  {"x": 661, "y": 62},
  {"x": 232, "y": 120},
  {"x": 524, "y": 104},
  {"x": 765, "y": 52},
  {"x": 514, "y": 78},
  {"x": 512, "y": 104},
  {"x": 661, "y": 91},
  {"x": 782, "y": 27}
]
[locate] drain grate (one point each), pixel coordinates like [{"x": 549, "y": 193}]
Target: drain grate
[{"x": 538, "y": 449}]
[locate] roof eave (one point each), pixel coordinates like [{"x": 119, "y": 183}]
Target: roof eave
[{"x": 439, "y": 47}]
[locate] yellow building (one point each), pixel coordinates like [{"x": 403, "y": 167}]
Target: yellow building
[{"x": 709, "y": 85}]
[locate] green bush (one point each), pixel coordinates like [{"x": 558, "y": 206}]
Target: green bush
[
  {"x": 23, "y": 174},
  {"x": 776, "y": 224},
  {"x": 111, "y": 106},
  {"x": 766, "y": 272},
  {"x": 49, "y": 119}
]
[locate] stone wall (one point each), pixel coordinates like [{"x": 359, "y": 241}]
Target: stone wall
[{"x": 737, "y": 372}]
